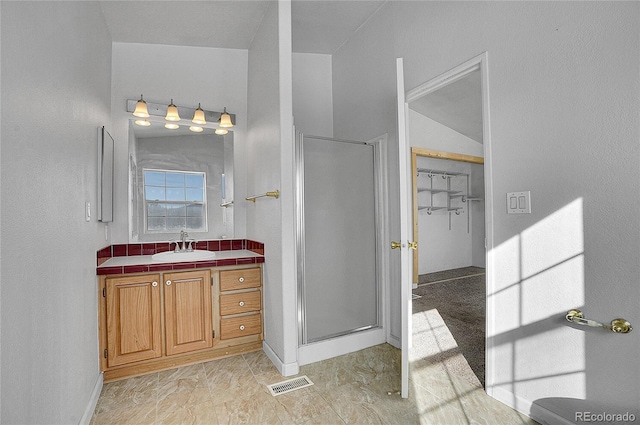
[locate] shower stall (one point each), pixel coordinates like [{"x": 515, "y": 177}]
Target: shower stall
[{"x": 339, "y": 290}]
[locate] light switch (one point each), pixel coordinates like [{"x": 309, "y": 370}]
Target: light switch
[
  {"x": 519, "y": 202},
  {"x": 513, "y": 203}
]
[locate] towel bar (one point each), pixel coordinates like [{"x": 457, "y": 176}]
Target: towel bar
[{"x": 273, "y": 194}]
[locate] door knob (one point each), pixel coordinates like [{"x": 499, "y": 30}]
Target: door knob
[
  {"x": 396, "y": 245},
  {"x": 413, "y": 245}
]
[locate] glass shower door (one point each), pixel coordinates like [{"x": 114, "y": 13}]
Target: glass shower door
[{"x": 339, "y": 291}]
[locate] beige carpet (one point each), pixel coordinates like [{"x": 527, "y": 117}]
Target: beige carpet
[{"x": 449, "y": 321}]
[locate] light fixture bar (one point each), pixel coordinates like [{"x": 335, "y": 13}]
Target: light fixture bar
[{"x": 160, "y": 110}]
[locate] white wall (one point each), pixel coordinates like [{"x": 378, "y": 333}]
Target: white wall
[
  {"x": 429, "y": 134},
  {"x": 56, "y": 75},
  {"x": 564, "y": 103},
  {"x": 444, "y": 238},
  {"x": 312, "y": 95},
  {"x": 213, "y": 77},
  {"x": 270, "y": 167}
]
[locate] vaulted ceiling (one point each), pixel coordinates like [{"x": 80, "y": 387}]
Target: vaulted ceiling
[{"x": 317, "y": 27}]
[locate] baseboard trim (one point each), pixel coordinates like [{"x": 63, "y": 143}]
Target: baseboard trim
[
  {"x": 395, "y": 341},
  {"x": 93, "y": 401},
  {"x": 542, "y": 415},
  {"x": 334, "y": 347},
  {"x": 285, "y": 369}
]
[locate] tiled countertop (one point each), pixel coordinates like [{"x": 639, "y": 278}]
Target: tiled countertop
[
  {"x": 144, "y": 263},
  {"x": 245, "y": 252}
]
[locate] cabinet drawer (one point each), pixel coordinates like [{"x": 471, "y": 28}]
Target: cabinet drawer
[
  {"x": 235, "y": 327},
  {"x": 239, "y": 279},
  {"x": 240, "y": 303}
]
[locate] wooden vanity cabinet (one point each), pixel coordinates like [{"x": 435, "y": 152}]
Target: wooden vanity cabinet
[
  {"x": 240, "y": 303},
  {"x": 133, "y": 319},
  {"x": 187, "y": 311},
  {"x": 155, "y": 321}
]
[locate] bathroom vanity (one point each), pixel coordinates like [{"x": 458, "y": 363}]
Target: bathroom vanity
[{"x": 160, "y": 315}]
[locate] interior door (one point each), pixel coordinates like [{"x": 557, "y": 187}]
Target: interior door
[{"x": 405, "y": 228}]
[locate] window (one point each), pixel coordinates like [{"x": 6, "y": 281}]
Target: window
[{"x": 174, "y": 200}]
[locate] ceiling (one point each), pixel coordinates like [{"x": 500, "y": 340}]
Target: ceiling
[
  {"x": 457, "y": 105},
  {"x": 317, "y": 27}
]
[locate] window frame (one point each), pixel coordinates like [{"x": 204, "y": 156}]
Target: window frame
[{"x": 186, "y": 202}]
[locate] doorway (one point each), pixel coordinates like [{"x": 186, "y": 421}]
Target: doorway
[
  {"x": 449, "y": 285},
  {"x": 433, "y": 119}
]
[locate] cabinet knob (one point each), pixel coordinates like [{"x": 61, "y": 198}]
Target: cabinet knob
[
  {"x": 241, "y": 327},
  {"x": 241, "y": 279},
  {"x": 241, "y": 303},
  {"x": 168, "y": 283},
  {"x": 154, "y": 284}
]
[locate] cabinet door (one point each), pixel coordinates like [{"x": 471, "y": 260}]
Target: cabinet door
[
  {"x": 187, "y": 307},
  {"x": 133, "y": 319}
]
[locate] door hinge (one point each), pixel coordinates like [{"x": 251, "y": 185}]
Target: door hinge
[
  {"x": 213, "y": 334},
  {"x": 104, "y": 292},
  {"x": 105, "y": 354}
]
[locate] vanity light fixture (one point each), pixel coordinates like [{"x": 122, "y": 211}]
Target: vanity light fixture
[
  {"x": 225, "y": 120},
  {"x": 141, "y": 110},
  {"x": 172, "y": 112},
  {"x": 198, "y": 116}
]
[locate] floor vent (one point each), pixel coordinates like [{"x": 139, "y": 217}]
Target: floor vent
[{"x": 289, "y": 385}]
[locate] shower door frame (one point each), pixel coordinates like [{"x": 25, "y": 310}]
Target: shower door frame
[{"x": 378, "y": 145}]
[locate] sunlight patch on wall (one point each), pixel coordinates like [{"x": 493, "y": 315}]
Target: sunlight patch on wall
[
  {"x": 553, "y": 240},
  {"x": 553, "y": 264},
  {"x": 541, "y": 278},
  {"x": 565, "y": 357}
]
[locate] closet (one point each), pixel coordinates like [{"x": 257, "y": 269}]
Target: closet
[{"x": 448, "y": 203}]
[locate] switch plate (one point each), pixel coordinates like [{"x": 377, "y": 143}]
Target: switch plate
[{"x": 519, "y": 202}]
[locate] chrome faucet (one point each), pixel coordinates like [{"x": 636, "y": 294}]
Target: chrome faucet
[{"x": 183, "y": 236}]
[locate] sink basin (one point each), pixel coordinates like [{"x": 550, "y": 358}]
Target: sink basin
[{"x": 195, "y": 255}]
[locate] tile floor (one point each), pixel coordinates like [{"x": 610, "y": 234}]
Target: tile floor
[{"x": 357, "y": 388}]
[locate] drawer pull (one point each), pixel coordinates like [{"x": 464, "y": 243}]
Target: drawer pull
[
  {"x": 168, "y": 283},
  {"x": 241, "y": 303},
  {"x": 241, "y": 280},
  {"x": 241, "y": 327},
  {"x": 154, "y": 284}
]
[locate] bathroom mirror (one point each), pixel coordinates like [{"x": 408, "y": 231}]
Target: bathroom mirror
[{"x": 179, "y": 180}]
